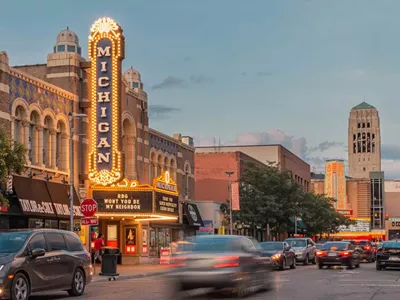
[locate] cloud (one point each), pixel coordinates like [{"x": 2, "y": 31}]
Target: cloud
[
  {"x": 325, "y": 146},
  {"x": 201, "y": 79},
  {"x": 162, "y": 111},
  {"x": 264, "y": 74},
  {"x": 169, "y": 82}
]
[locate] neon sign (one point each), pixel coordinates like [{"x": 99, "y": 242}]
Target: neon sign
[{"x": 106, "y": 52}]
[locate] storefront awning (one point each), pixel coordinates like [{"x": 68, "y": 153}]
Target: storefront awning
[
  {"x": 193, "y": 215},
  {"x": 33, "y": 197},
  {"x": 59, "y": 194}
]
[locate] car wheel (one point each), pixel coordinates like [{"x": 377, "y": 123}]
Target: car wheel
[
  {"x": 305, "y": 262},
  {"x": 351, "y": 265},
  {"x": 282, "y": 267},
  {"x": 320, "y": 266},
  {"x": 78, "y": 284},
  {"x": 20, "y": 289},
  {"x": 293, "y": 265}
]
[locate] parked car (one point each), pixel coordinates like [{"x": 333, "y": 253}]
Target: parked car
[
  {"x": 339, "y": 254},
  {"x": 281, "y": 254},
  {"x": 304, "y": 249},
  {"x": 217, "y": 263},
  {"x": 36, "y": 260},
  {"x": 366, "y": 249},
  {"x": 388, "y": 255}
]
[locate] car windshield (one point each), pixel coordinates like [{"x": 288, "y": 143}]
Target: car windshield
[
  {"x": 11, "y": 242},
  {"x": 335, "y": 246},
  {"x": 297, "y": 243},
  {"x": 271, "y": 246},
  {"x": 391, "y": 245},
  {"x": 214, "y": 244}
]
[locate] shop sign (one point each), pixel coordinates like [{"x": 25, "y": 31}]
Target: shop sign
[
  {"x": 165, "y": 182},
  {"x": 167, "y": 204},
  {"x": 124, "y": 201},
  {"x": 32, "y": 206},
  {"x": 345, "y": 212},
  {"x": 63, "y": 210},
  {"x": 360, "y": 226},
  {"x": 106, "y": 51}
]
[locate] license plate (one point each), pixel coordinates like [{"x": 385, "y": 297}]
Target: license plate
[
  {"x": 331, "y": 254},
  {"x": 394, "y": 258}
]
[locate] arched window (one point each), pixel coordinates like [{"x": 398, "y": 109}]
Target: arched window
[
  {"x": 159, "y": 165},
  {"x": 34, "y": 129},
  {"x": 129, "y": 148},
  {"x": 187, "y": 173},
  {"x": 173, "y": 169},
  {"x": 61, "y": 146},
  {"x": 47, "y": 141},
  {"x": 153, "y": 167},
  {"x": 166, "y": 164},
  {"x": 19, "y": 130}
]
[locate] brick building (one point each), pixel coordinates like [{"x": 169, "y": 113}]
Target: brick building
[
  {"x": 36, "y": 102},
  {"x": 276, "y": 154}
]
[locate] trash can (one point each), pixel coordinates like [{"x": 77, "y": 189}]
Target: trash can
[{"x": 109, "y": 261}]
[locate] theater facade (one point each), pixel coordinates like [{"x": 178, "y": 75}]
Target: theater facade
[{"x": 141, "y": 178}]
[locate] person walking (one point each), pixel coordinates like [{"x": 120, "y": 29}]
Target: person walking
[{"x": 98, "y": 244}]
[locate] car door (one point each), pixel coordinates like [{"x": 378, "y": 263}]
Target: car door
[
  {"x": 39, "y": 268},
  {"x": 289, "y": 253},
  {"x": 310, "y": 248},
  {"x": 62, "y": 274}
]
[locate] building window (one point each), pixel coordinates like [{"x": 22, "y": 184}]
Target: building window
[
  {"x": 19, "y": 129},
  {"x": 368, "y": 125},
  {"x": 60, "y": 48},
  {"x": 135, "y": 84},
  {"x": 188, "y": 172},
  {"x": 173, "y": 169},
  {"x": 159, "y": 165},
  {"x": 363, "y": 125},
  {"x": 359, "y": 125},
  {"x": 34, "y": 138},
  {"x": 79, "y": 50},
  {"x": 129, "y": 147},
  {"x": 71, "y": 49},
  {"x": 364, "y": 169},
  {"x": 62, "y": 144}
]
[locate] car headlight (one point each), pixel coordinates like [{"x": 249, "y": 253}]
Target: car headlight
[
  {"x": 1, "y": 267},
  {"x": 276, "y": 256}
]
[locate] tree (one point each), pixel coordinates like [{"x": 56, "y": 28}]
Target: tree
[
  {"x": 269, "y": 196},
  {"x": 12, "y": 160}
]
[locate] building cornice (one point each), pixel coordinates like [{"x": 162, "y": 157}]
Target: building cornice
[
  {"x": 43, "y": 84},
  {"x": 171, "y": 139}
]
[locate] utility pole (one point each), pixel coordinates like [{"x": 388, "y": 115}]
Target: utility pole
[{"x": 229, "y": 173}]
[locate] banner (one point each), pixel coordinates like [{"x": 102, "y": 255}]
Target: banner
[{"x": 235, "y": 196}]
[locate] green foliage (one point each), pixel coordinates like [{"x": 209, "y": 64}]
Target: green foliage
[
  {"x": 270, "y": 196},
  {"x": 4, "y": 201},
  {"x": 12, "y": 157}
]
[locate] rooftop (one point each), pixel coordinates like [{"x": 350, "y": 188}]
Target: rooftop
[{"x": 364, "y": 105}]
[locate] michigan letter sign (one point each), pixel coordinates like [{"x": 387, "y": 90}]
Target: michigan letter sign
[{"x": 106, "y": 51}]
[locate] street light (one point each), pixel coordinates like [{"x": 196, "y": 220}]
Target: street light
[
  {"x": 229, "y": 173},
  {"x": 295, "y": 219},
  {"x": 72, "y": 116}
]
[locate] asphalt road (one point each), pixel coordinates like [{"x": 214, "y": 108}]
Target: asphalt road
[{"x": 305, "y": 282}]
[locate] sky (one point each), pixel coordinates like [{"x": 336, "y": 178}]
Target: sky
[{"x": 242, "y": 72}]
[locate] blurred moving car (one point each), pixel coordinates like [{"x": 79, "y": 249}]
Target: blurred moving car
[
  {"x": 36, "y": 260},
  {"x": 304, "y": 249},
  {"x": 339, "y": 254},
  {"x": 365, "y": 247},
  {"x": 281, "y": 254},
  {"x": 221, "y": 263},
  {"x": 375, "y": 247},
  {"x": 388, "y": 255}
]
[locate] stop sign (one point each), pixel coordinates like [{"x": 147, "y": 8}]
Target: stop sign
[{"x": 89, "y": 207}]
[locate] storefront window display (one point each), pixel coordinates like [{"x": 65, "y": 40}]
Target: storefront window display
[
  {"x": 112, "y": 236},
  {"x": 130, "y": 240}
]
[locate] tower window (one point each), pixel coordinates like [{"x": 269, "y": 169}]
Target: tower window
[
  {"x": 363, "y": 125},
  {"x": 71, "y": 49},
  {"x": 368, "y": 125},
  {"x": 135, "y": 84},
  {"x": 79, "y": 50},
  {"x": 359, "y": 125},
  {"x": 60, "y": 48},
  {"x": 364, "y": 169}
]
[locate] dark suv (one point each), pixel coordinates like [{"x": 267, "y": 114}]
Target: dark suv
[{"x": 36, "y": 260}]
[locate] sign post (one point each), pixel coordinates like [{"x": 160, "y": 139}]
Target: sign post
[{"x": 89, "y": 210}]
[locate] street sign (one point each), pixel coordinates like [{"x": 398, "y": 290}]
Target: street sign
[
  {"x": 89, "y": 207},
  {"x": 93, "y": 221}
]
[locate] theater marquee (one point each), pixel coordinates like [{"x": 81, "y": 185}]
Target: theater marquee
[{"x": 106, "y": 52}]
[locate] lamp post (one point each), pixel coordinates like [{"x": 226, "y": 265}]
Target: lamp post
[
  {"x": 295, "y": 219},
  {"x": 229, "y": 173},
  {"x": 72, "y": 116}
]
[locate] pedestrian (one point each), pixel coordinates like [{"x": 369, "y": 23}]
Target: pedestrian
[{"x": 98, "y": 244}]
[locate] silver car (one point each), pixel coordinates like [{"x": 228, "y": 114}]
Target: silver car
[{"x": 304, "y": 249}]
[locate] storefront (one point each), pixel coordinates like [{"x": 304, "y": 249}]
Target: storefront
[
  {"x": 140, "y": 220},
  {"x": 40, "y": 204}
]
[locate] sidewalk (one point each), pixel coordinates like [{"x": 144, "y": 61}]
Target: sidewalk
[{"x": 134, "y": 271}]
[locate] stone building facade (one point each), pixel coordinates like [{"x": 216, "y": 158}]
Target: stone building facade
[{"x": 36, "y": 102}]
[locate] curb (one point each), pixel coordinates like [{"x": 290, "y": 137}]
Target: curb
[{"x": 127, "y": 277}]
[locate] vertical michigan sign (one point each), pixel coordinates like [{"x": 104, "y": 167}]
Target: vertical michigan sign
[{"x": 106, "y": 52}]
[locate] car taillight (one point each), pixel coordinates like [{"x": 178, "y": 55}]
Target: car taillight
[
  {"x": 321, "y": 253},
  {"x": 344, "y": 253},
  {"x": 227, "y": 262},
  {"x": 367, "y": 248},
  {"x": 178, "y": 262}
]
